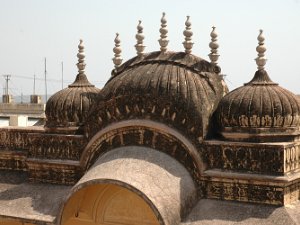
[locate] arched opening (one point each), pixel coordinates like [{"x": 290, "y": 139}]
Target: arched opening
[{"x": 107, "y": 204}]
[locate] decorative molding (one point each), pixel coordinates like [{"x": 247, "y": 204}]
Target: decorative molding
[
  {"x": 53, "y": 146},
  {"x": 188, "y": 33},
  {"x": 144, "y": 133},
  {"x": 244, "y": 157},
  {"x": 163, "y": 41}
]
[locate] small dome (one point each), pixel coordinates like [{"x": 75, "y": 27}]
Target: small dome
[
  {"x": 69, "y": 107},
  {"x": 260, "y": 110}
]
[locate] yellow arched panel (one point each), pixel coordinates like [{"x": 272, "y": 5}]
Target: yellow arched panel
[
  {"x": 107, "y": 204},
  {"x": 13, "y": 222}
]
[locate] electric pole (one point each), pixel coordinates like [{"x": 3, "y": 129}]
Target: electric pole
[
  {"x": 46, "y": 79},
  {"x": 7, "y": 78},
  {"x": 62, "y": 75},
  {"x": 34, "y": 84}
]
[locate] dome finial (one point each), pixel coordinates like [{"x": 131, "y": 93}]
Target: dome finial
[
  {"x": 139, "y": 37},
  {"x": 214, "y": 56},
  {"x": 117, "y": 50},
  {"x": 163, "y": 42},
  {"x": 80, "y": 55},
  {"x": 261, "y": 60},
  {"x": 188, "y": 44}
]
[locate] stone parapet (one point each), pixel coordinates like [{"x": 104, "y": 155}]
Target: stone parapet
[
  {"x": 54, "y": 146},
  {"x": 16, "y": 138},
  {"x": 53, "y": 171},
  {"x": 262, "y": 158},
  {"x": 13, "y": 160},
  {"x": 252, "y": 188}
]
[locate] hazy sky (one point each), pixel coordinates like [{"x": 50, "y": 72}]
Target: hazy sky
[{"x": 34, "y": 29}]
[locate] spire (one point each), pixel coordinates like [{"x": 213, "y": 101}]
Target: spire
[
  {"x": 261, "y": 76},
  {"x": 139, "y": 37},
  {"x": 117, "y": 50},
  {"x": 81, "y": 79},
  {"x": 213, "y": 47},
  {"x": 188, "y": 44},
  {"x": 163, "y": 42},
  {"x": 81, "y": 64},
  {"x": 261, "y": 60}
]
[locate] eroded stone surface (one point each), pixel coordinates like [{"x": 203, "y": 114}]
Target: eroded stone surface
[
  {"x": 155, "y": 176},
  {"x": 29, "y": 201},
  {"x": 214, "y": 212}
]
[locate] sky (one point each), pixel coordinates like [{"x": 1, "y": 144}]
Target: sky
[{"x": 32, "y": 30}]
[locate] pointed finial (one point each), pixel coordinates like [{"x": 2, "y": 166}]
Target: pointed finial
[
  {"x": 188, "y": 44},
  {"x": 81, "y": 64},
  {"x": 214, "y": 56},
  {"x": 81, "y": 79},
  {"x": 117, "y": 50},
  {"x": 261, "y": 60},
  {"x": 163, "y": 42},
  {"x": 139, "y": 37}
]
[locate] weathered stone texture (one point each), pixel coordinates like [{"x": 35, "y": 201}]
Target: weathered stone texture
[
  {"x": 162, "y": 181},
  {"x": 30, "y": 203},
  {"x": 147, "y": 134},
  {"x": 56, "y": 146},
  {"x": 166, "y": 88}
]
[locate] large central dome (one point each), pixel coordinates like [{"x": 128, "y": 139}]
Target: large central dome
[{"x": 175, "y": 88}]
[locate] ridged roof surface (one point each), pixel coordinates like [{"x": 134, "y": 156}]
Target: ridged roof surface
[
  {"x": 69, "y": 107},
  {"x": 184, "y": 82},
  {"x": 260, "y": 103}
]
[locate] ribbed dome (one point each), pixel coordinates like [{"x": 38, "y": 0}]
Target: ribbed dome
[
  {"x": 70, "y": 106},
  {"x": 259, "y": 109},
  {"x": 172, "y": 87}
]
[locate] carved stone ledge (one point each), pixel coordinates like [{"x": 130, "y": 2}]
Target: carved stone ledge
[
  {"x": 261, "y": 158},
  {"x": 12, "y": 160},
  {"x": 144, "y": 133},
  {"x": 53, "y": 146},
  {"x": 12, "y": 138},
  {"x": 243, "y": 187},
  {"x": 54, "y": 171}
]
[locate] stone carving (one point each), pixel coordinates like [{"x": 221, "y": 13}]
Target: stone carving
[
  {"x": 245, "y": 192},
  {"x": 260, "y": 107},
  {"x": 260, "y": 60},
  {"x": 245, "y": 157},
  {"x": 166, "y": 101},
  {"x": 53, "y": 173},
  {"x": 214, "y": 56},
  {"x": 53, "y": 147},
  {"x": 141, "y": 136},
  {"x": 188, "y": 33},
  {"x": 140, "y": 38},
  {"x": 117, "y": 50},
  {"x": 163, "y": 42},
  {"x": 70, "y": 106}
]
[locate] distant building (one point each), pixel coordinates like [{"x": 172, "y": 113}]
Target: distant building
[
  {"x": 21, "y": 114},
  {"x": 162, "y": 143}
]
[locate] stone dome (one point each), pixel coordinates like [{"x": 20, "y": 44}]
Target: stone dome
[
  {"x": 260, "y": 110},
  {"x": 70, "y": 106},
  {"x": 176, "y": 88}
]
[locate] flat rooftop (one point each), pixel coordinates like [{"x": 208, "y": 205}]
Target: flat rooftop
[{"x": 41, "y": 202}]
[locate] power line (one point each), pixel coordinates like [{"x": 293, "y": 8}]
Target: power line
[{"x": 53, "y": 80}]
